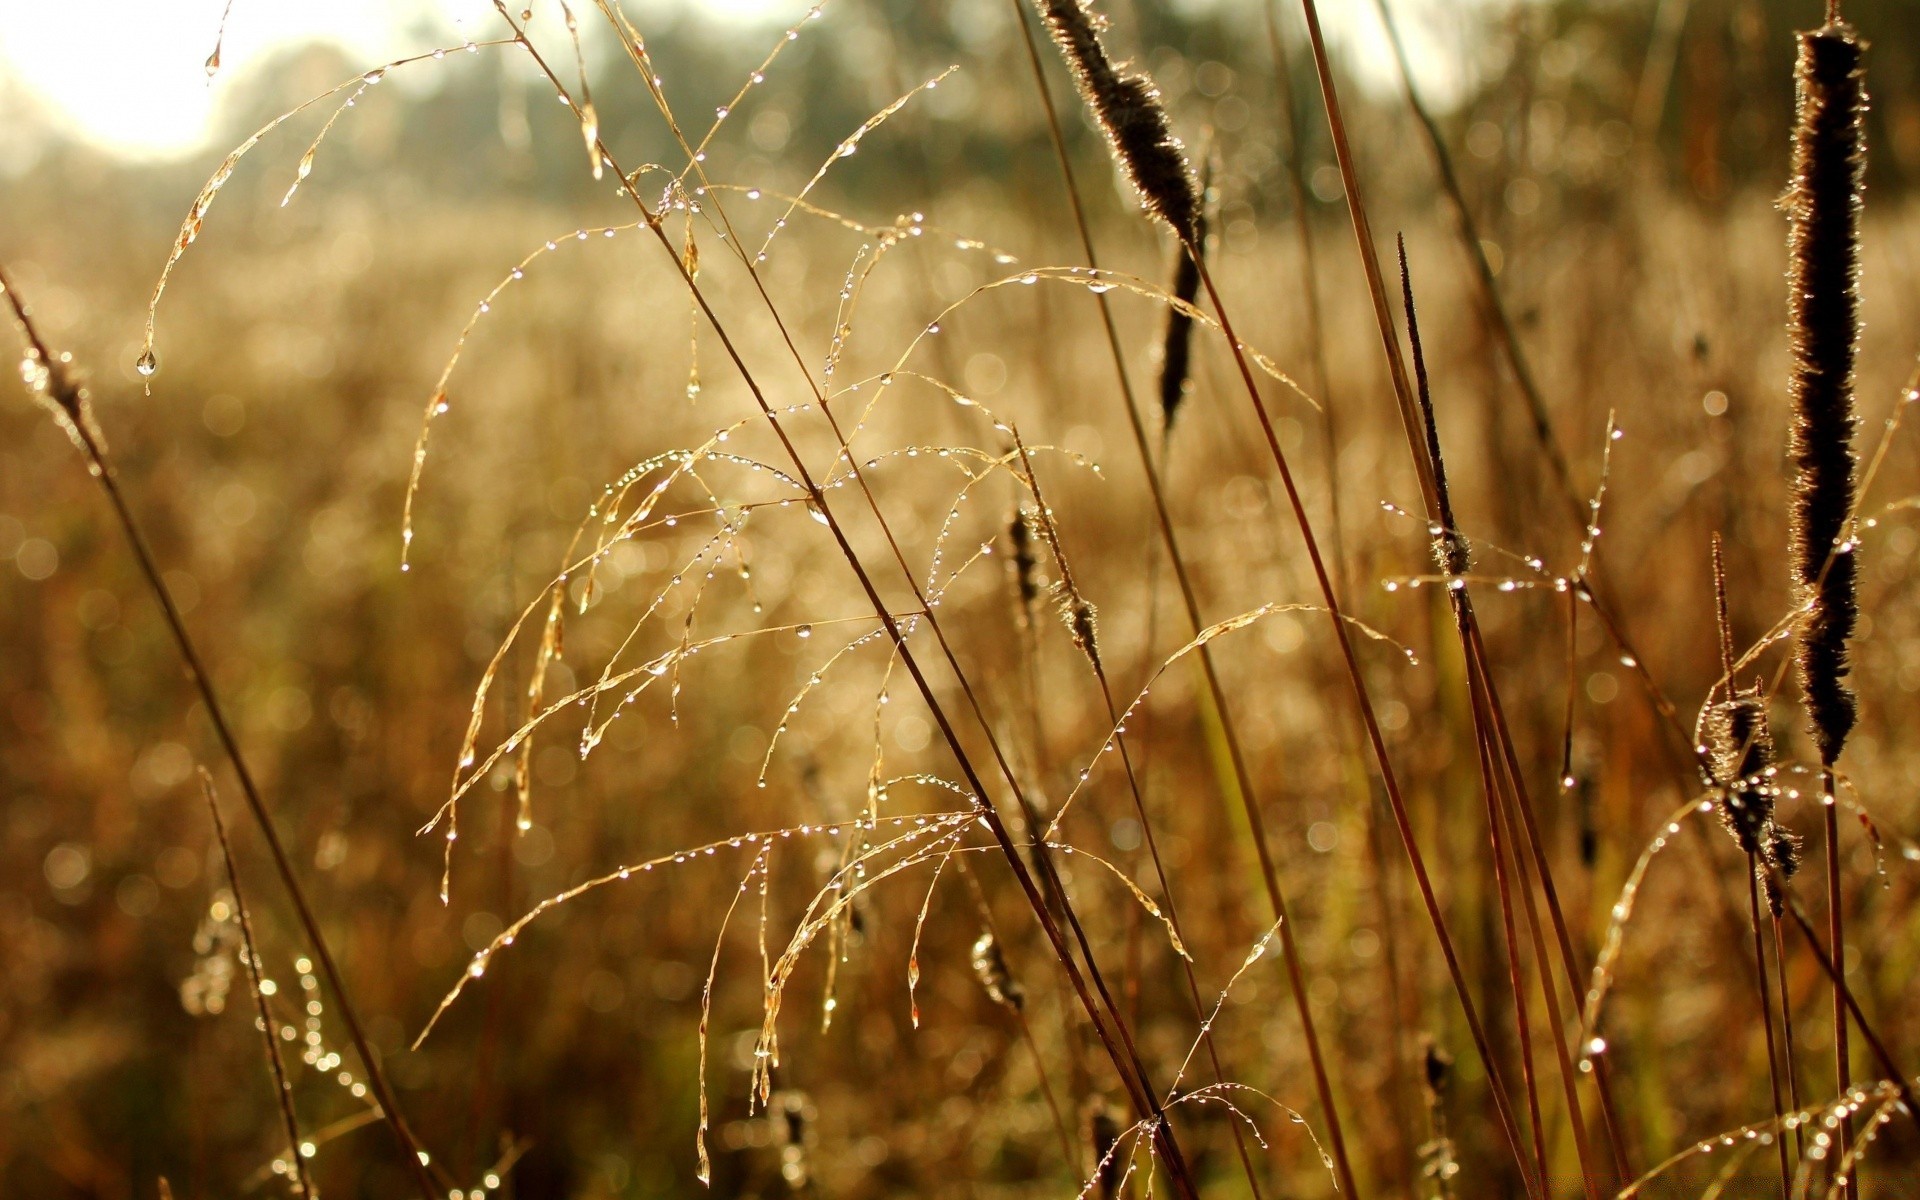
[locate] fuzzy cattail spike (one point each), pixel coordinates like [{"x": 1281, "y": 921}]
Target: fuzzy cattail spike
[
  {"x": 1823, "y": 207},
  {"x": 1130, "y": 113}
]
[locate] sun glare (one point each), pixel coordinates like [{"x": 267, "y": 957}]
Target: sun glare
[{"x": 131, "y": 76}]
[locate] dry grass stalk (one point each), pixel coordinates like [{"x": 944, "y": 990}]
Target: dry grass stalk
[
  {"x": 1083, "y": 36},
  {"x": 51, "y": 376},
  {"x": 1089, "y": 985},
  {"x": 282, "y": 1089}
]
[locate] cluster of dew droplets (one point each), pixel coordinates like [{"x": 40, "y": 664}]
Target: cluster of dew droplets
[
  {"x": 697, "y": 155},
  {"x": 926, "y": 837},
  {"x": 846, "y": 149},
  {"x": 305, "y": 166},
  {"x": 309, "y": 1034},
  {"x": 1530, "y": 571},
  {"x": 1099, "y": 280},
  {"x": 1590, "y": 537},
  {"x": 813, "y": 681},
  {"x": 1824, "y": 1119}
]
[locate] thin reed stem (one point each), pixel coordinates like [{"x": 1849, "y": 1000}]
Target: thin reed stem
[
  {"x": 1823, "y": 204},
  {"x": 1765, "y": 991},
  {"x": 1487, "y": 291},
  {"x": 1451, "y": 553},
  {"x": 1051, "y": 532},
  {"x": 277, "y": 1071},
  {"x": 71, "y": 399},
  {"x": 1111, "y": 1028},
  {"x": 1376, "y": 739},
  {"x": 1269, "y": 873}
]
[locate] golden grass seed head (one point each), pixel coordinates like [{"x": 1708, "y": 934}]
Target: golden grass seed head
[{"x": 1128, "y": 108}]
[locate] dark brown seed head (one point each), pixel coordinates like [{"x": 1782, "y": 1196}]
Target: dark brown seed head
[
  {"x": 1130, "y": 113},
  {"x": 1439, "y": 1073},
  {"x": 1783, "y": 851},
  {"x": 990, "y": 967},
  {"x": 1823, "y": 207},
  {"x": 1083, "y": 622},
  {"x": 1740, "y": 754},
  {"x": 1026, "y": 572},
  {"x": 1176, "y": 359}
]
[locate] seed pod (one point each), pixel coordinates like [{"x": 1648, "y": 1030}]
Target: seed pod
[
  {"x": 990, "y": 967},
  {"x": 1783, "y": 851},
  {"x": 1439, "y": 1072},
  {"x": 1823, "y": 208},
  {"x": 1082, "y": 621},
  {"x": 1129, "y": 111},
  {"x": 1026, "y": 571},
  {"x": 1740, "y": 753}
]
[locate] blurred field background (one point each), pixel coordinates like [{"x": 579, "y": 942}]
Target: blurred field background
[{"x": 1621, "y": 159}]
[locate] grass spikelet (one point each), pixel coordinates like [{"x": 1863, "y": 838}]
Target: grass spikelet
[
  {"x": 1740, "y": 749},
  {"x": 990, "y": 968},
  {"x": 1026, "y": 570},
  {"x": 1450, "y": 549},
  {"x": 1130, "y": 113},
  {"x": 1082, "y": 621},
  {"x": 1823, "y": 205}
]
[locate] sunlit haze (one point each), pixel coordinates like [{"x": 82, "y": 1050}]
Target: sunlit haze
[{"x": 130, "y": 76}]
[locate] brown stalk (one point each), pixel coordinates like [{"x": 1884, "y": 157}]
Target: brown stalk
[
  {"x": 925, "y": 612},
  {"x": 1753, "y": 861},
  {"x": 282, "y": 1090},
  {"x": 1321, "y": 381},
  {"x": 1269, "y": 873},
  {"x": 1910, "y": 1103},
  {"x": 1117, "y": 1039},
  {"x": 63, "y": 392},
  {"x": 1375, "y": 738},
  {"x": 1500, "y": 323},
  {"x": 1493, "y": 311},
  {"x": 1451, "y": 553},
  {"x": 1078, "y": 603}
]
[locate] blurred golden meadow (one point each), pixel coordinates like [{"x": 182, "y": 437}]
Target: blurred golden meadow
[{"x": 793, "y": 923}]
